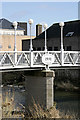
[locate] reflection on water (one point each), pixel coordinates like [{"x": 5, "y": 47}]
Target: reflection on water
[
  {"x": 68, "y": 102},
  {"x": 13, "y": 100}
]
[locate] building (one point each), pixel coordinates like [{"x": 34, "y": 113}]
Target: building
[
  {"x": 71, "y": 33},
  {"x": 24, "y": 26},
  {"x": 7, "y": 35},
  {"x": 38, "y": 29},
  {"x": 7, "y": 28}
]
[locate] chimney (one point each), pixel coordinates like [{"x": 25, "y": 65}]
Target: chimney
[
  {"x": 24, "y": 26},
  {"x": 38, "y": 29}
]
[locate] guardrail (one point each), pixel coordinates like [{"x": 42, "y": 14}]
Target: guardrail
[{"x": 22, "y": 59}]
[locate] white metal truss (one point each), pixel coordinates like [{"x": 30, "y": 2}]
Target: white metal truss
[{"x": 33, "y": 59}]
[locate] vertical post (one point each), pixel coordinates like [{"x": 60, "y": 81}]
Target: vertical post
[
  {"x": 45, "y": 41},
  {"x": 45, "y": 27},
  {"x": 31, "y": 48},
  {"x": 62, "y": 50},
  {"x": 31, "y": 58},
  {"x": 45, "y": 47},
  {"x": 30, "y": 23},
  {"x": 15, "y": 49}
]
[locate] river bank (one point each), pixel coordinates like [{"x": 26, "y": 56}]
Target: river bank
[
  {"x": 66, "y": 92},
  {"x": 66, "y": 102}
]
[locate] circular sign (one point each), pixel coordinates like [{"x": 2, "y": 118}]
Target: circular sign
[{"x": 47, "y": 59}]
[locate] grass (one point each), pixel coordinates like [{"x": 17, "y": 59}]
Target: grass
[
  {"x": 35, "y": 111},
  {"x": 38, "y": 112},
  {"x": 8, "y": 107}
]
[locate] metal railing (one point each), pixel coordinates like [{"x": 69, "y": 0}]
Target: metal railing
[{"x": 27, "y": 59}]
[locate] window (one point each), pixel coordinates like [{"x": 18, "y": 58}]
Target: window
[
  {"x": 69, "y": 34},
  {"x": 43, "y": 48},
  {"x": 0, "y": 46},
  {"x": 9, "y": 46},
  {"x": 34, "y": 49},
  {"x": 64, "y": 47},
  {"x": 68, "y": 48},
  {"x": 39, "y": 49},
  {"x": 49, "y": 48},
  {"x": 55, "y": 48}
]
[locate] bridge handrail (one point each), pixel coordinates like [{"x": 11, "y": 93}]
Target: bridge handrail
[
  {"x": 14, "y": 51},
  {"x": 16, "y": 59},
  {"x": 38, "y": 51},
  {"x": 71, "y": 51}
]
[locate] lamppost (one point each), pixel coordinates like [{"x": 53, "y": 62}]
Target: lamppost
[
  {"x": 30, "y": 23},
  {"x": 61, "y": 24},
  {"x": 15, "y": 48},
  {"x": 15, "y": 27},
  {"x": 45, "y": 27}
]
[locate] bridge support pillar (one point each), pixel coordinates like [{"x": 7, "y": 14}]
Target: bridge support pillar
[{"x": 39, "y": 88}]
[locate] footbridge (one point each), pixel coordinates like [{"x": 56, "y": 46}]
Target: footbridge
[
  {"x": 39, "y": 86},
  {"x": 38, "y": 59}
]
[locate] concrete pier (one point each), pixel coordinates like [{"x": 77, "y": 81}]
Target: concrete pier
[{"x": 39, "y": 87}]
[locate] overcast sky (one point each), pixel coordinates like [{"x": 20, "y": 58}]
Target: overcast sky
[{"x": 40, "y": 12}]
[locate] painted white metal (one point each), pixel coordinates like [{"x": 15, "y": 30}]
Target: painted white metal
[
  {"x": 33, "y": 59},
  {"x": 45, "y": 27},
  {"x": 62, "y": 50},
  {"x": 47, "y": 59},
  {"x": 30, "y": 23}
]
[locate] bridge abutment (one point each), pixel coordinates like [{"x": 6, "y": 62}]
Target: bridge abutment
[{"x": 39, "y": 88}]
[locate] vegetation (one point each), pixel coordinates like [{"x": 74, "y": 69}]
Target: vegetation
[
  {"x": 67, "y": 79},
  {"x": 38, "y": 112},
  {"x": 64, "y": 80},
  {"x": 35, "y": 111},
  {"x": 13, "y": 78},
  {"x": 68, "y": 86},
  {"x": 8, "y": 107}
]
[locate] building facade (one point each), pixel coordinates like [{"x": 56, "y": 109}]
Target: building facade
[
  {"x": 71, "y": 38},
  {"x": 24, "y": 26},
  {"x": 38, "y": 29},
  {"x": 7, "y": 35},
  {"x": 71, "y": 41}
]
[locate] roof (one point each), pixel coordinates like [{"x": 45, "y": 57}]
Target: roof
[
  {"x": 70, "y": 28},
  {"x": 5, "y": 24}
]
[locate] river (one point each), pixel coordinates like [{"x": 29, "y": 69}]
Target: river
[{"x": 67, "y": 102}]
